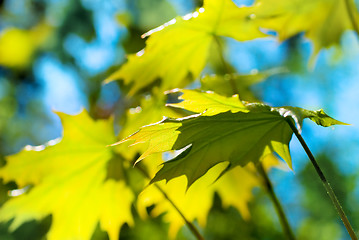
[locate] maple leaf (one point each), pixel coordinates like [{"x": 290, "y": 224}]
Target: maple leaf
[
  {"x": 234, "y": 137},
  {"x": 328, "y": 19},
  {"x": 181, "y": 46},
  {"x": 234, "y": 188},
  {"x": 210, "y": 103},
  {"x": 70, "y": 181},
  {"x": 151, "y": 109}
]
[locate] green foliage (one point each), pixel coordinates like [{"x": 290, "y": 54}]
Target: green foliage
[
  {"x": 69, "y": 180},
  {"x": 328, "y": 19},
  {"x": 227, "y": 130},
  {"x": 208, "y": 103},
  {"x": 181, "y": 46},
  {"x": 84, "y": 188}
]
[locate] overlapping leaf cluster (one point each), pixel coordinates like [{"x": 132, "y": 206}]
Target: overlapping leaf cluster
[
  {"x": 186, "y": 42},
  {"x": 75, "y": 180},
  {"x": 225, "y": 130}
]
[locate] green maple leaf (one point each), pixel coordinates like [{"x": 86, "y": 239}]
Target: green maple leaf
[
  {"x": 195, "y": 203},
  {"x": 181, "y": 46},
  {"x": 70, "y": 181},
  {"x": 328, "y": 19},
  {"x": 237, "y": 137}
]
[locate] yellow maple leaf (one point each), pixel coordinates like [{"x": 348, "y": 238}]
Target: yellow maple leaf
[
  {"x": 323, "y": 21},
  {"x": 150, "y": 110},
  {"x": 181, "y": 46},
  {"x": 69, "y": 180},
  {"x": 234, "y": 188}
]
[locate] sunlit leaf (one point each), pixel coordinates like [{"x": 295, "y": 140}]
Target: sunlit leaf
[
  {"x": 71, "y": 182},
  {"x": 237, "y": 138},
  {"x": 299, "y": 114},
  {"x": 180, "y": 47},
  {"x": 151, "y": 109},
  {"x": 210, "y": 103},
  {"x": 234, "y": 188},
  {"x": 321, "y": 118},
  {"x": 195, "y": 203},
  {"x": 323, "y": 21}
]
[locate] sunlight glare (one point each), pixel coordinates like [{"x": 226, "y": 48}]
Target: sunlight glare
[
  {"x": 171, "y": 22},
  {"x": 17, "y": 192}
]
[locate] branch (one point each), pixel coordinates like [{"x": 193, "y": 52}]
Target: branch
[
  {"x": 190, "y": 225},
  {"x": 282, "y": 218},
  {"x": 325, "y": 182},
  {"x": 226, "y": 67}
]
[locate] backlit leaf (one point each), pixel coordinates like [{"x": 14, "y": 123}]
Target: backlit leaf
[
  {"x": 323, "y": 21},
  {"x": 210, "y": 140},
  {"x": 181, "y": 47},
  {"x": 150, "y": 110},
  {"x": 71, "y": 182},
  {"x": 237, "y": 138},
  {"x": 210, "y": 103},
  {"x": 197, "y": 201},
  {"x": 234, "y": 188},
  {"x": 321, "y": 118}
]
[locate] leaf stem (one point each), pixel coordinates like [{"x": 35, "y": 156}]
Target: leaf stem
[
  {"x": 325, "y": 182},
  {"x": 190, "y": 225},
  {"x": 267, "y": 183},
  {"x": 282, "y": 217},
  {"x": 225, "y": 65},
  {"x": 352, "y": 16}
]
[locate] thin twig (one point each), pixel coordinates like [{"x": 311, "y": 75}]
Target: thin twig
[
  {"x": 226, "y": 67},
  {"x": 190, "y": 225},
  {"x": 325, "y": 182},
  {"x": 282, "y": 217}
]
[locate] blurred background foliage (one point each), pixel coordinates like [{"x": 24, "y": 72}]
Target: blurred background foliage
[{"x": 54, "y": 55}]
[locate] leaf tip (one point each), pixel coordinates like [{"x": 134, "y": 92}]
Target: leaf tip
[
  {"x": 323, "y": 119},
  {"x": 123, "y": 140},
  {"x": 113, "y": 144},
  {"x": 109, "y": 79},
  {"x": 138, "y": 160}
]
